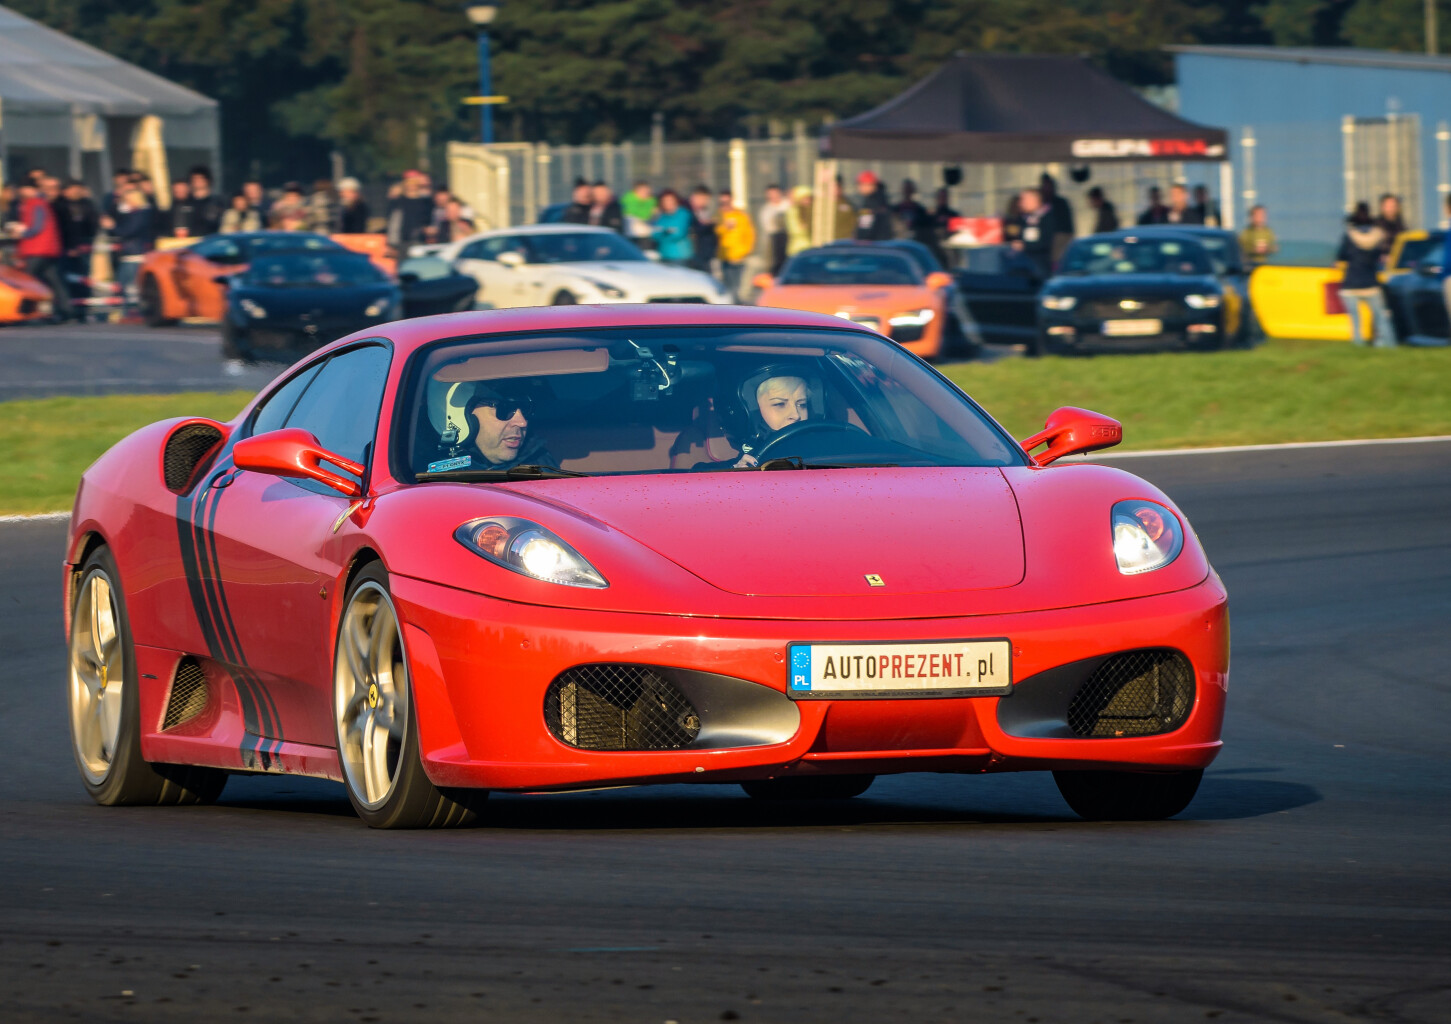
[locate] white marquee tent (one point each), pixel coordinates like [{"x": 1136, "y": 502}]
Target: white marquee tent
[{"x": 75, "y": 110}]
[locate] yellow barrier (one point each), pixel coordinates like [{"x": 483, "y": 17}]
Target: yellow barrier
[{"x": 1290, "y": 303}]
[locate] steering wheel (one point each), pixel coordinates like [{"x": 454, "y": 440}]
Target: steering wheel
[{"x": 795, "y": 430}]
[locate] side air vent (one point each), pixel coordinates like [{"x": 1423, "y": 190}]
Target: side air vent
[
  {"x": 188, "y": 694},
  {"x": 619, "y": 707},
  {"x": 1137, "y": 693},
  {"x": 186, "y": 447}
]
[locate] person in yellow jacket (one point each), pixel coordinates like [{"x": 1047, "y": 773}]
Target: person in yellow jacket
[
  {"x": 798, "y": 221},
  {"x": 737, "y": 237}
]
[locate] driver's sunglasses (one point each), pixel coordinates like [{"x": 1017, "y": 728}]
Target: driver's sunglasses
[{"x": 505, "y": 410}]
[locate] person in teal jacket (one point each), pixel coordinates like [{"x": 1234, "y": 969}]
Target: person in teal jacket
[{"x": 672, "y": 229}]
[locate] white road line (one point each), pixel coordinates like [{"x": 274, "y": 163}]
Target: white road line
[{"x": 40, "y": 517}]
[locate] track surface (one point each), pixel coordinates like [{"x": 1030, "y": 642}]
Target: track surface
[
  {"x": 102, "y": 359},
  {"x": 1308, "y": 882}
]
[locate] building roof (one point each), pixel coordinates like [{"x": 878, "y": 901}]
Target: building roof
[
  {"x": 1348, "y": 56},
  {"x": 45, "y": 71}
]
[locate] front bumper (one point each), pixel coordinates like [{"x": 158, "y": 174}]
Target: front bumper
[
  {"x": 1178, "y": 329},
  {"x": 481, "y": 669}
]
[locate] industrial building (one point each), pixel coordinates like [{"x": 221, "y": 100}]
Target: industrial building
[{"x": 1313, "y": 130}]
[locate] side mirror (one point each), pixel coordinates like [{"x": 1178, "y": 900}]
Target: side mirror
[
  {"x": 407, "y": 278},
  {"x": 1071, "y": 431},
  {"x": 512, "y": 260},
  {"x": 294, "y": 452},
  {"x": 762, "y": 281},
  {"x": 939, "y": 279}
]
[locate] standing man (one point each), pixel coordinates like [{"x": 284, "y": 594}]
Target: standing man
[
  {"x": 874, "y": 218},
  {"x": 41, "y": 248},
  {"x": 916, "y": 221},
  {"x": 1257, "y": 242},
  {"x": 79, "y": 221},
  {"x": 1179, "y": 211},
  {"x": 206, "y": 205},
  {"x": 1156, "y": 212},
  {"x": 257, "y": 199},
  {"x": 843, "y": 213},
  {"x": 175, "y": 222},
  {"x": 352, "y": 209},
  {"x": 1206, "y": 208},
  {"x": 605, "y": 209},
  {"x": 773, "y": 222},
  {"x": 1035, "y": 230},
  {"x": 577, "y": 212},
  {"x": 702, "y": 231},
  {"x": 1063, "y": 227},
  {"x": 735, "y": 241},
  {"x": 639, "y": 206},
  {"x": 1105, "y": 215}
]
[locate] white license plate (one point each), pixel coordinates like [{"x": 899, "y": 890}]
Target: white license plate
[
  {"x": 930, "y": 668},
  {"x": 1132, "y": 328}
]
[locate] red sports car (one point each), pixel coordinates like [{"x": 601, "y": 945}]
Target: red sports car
[{"x": 564, "y": 548}]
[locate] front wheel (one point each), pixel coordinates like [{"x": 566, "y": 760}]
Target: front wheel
[
  {"x": 152, "y": 310},
  {"x": 817, "y": 787},
  {"x": 1128, "y": 796},
  {"x": 232, "y": 346},
  {"x": 105, "y": 717},
  {"x": 377, "y": 727}
]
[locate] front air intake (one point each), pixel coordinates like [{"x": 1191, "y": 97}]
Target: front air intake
[
  {"x": 619, "y": 707},
  {"x": 188, "y": 696},
  {"x": 1137, "y": 693},
  {"x": 186, "y": 447}
]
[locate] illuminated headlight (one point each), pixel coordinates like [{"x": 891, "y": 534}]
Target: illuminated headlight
[
  {"x": 252, "y": 309},
  {"x": 609, "y": 291},
  {"x": 528, "y": 549},
  {"x": 380, "y": 307},
  {"x": 1061, "y": 303},
  {"x": 918, "y": 319},
  {"x": 1146, "y": 536},
  {"x": 1202, "y": 301}
]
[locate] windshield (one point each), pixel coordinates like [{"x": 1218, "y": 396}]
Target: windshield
[
  {"x": 1413, "y": 250},
  {"x": 1135, "y": 256},
  {"x": 292, "y": 241},
  {"x": 835, "y": 267},
  {"x": 579, "y": 247},
  {"x": 426, "y": 268},
  {"x": 321, "y": 269},
  {"x": 684, "y": 399}
]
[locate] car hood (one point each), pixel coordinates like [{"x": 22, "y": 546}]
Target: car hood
[
  {"x": 1138, "y": 285},
  {"x": 816, "y": 533},
  {"x": 866, "y": 298},
  {"x": 630, "y": 274},
  {"x": 292, "y": 302}
]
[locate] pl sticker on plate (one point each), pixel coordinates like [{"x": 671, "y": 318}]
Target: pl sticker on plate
[{"x": 944, "y": 668}]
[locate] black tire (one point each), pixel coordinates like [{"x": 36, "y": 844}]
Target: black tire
[
  {"x": 1128, "y": 796},
  {"x": 412, "y": 801},
  {"x": 564, "y": 298},
  {"x": 811, "y": 787},
  {"x": 129, "y": 779},
  {"x": 150, "y": 293},
  {"x": 955, "y": 342},
  {"x": 1036, "y": 345},
  {"x": 232, "y": 347}
]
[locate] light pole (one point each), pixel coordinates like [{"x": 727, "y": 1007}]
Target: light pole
[{"x": 481, "y": 15}]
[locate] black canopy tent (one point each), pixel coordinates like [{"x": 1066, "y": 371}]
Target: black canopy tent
[{"x": 1020, "y": 109}]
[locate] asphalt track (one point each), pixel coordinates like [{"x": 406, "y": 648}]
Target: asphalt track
[{"x": 1308, "y": 882}]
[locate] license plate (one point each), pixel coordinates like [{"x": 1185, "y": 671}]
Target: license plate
[
  {"x": 943, "y": 668},
  {"x": 1132, "y": 328}
]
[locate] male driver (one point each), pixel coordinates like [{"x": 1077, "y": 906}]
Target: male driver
[{"x": 502, "y": 431}]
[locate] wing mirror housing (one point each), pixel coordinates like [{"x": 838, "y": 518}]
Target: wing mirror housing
[
  {"x": 939, "y": 279},
  {"x": 762, "y": 281},
  {"x": 1428, "y": 268},
  {"x": 293, "y": 452},
  {"x": 1072, "y": 431},
  {"x": 512, "y": 260}
]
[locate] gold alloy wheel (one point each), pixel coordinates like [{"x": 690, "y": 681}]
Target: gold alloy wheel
[
  {"x": 97, "y": 676},
  {"x": 370, "y": 695}
]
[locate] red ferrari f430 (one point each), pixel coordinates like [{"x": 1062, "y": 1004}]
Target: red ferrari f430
[{"x": 563, "y": 548}]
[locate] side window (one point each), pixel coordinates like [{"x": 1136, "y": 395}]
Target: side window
[
  {"x": 219, "y": 250},
  {"x": 274, "y": 410},
  {"x": 340, "y": 407},
  {"x": 476, "y": 251}
]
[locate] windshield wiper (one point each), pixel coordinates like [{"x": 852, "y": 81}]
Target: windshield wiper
[
  {"x": 797, "y": 462},
  {"x": 528, "y": 471}
]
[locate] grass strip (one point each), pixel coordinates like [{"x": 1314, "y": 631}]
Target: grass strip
[
  {"x": 47, "y": 443},
  {"x": 1281, "y": 391}
]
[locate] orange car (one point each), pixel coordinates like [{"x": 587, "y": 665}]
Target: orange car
[
  {"x": 181, "y": 283},
  {"x": 878, "y": 286},
  {"x": 22, "y": 297}
]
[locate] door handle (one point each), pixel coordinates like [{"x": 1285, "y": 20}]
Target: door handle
[{"x": 224, "y": 479}]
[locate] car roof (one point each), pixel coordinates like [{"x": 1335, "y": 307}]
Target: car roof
[
  {"x": 1158, "y": 231},
  {"x": 543, "y": 229},
  {"x": 250, "y": 235},
  {"x": 409, "y": 335}
]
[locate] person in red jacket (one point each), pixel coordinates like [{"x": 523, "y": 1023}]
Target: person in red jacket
[{"x": 41, "y": 248}]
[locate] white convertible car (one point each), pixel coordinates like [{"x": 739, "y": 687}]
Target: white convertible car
[{"x": 560, "y": 264}]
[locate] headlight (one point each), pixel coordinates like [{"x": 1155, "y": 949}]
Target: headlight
[
  {"x": 380, "y": 307},
  {"x": 917, "y": 319},
  {"x": 609, "y": 291},
  {"x": 1146, "y": 536},
  {"x": 529, "y": 549},
  {"x": 1202, "y": 301},
  {"x": 1062, "y": 303},
  {"x": 252, "y": 309}
]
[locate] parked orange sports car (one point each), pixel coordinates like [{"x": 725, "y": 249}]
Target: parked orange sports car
[
  {"x": 181, "y": 283},
  {"x": 877, "y": 286},
  {"x": 22, "y": 297}
]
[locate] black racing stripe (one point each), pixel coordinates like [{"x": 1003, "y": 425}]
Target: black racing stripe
[{"x": 271, "y": 732}]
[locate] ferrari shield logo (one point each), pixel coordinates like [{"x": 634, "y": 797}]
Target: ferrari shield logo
[{"x": 873, "y": 580}]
